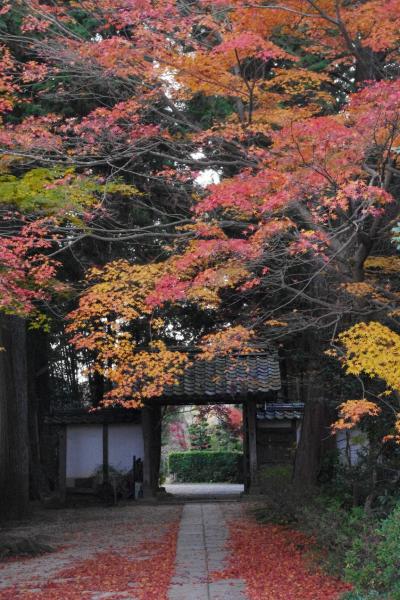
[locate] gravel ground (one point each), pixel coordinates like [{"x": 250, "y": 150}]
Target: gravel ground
[{"x": 78, "y": 534}]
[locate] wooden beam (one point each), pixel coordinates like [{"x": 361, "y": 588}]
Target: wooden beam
[
  {"x": 62, "y": 463},
  {"x": 252, "y": 435},
  {"x": 106, "y": 468}
]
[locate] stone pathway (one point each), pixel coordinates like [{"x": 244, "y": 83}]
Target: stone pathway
[
  {"x": 201, "y": 551},
  {"x": 210, "y": 490}
]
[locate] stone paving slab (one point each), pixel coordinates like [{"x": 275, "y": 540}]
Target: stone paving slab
[
  {"x": 201, "y": 550},
  {"x": 232, "y": 589}
]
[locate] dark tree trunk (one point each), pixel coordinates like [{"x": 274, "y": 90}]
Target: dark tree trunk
[
  {"x": 14, "y": 445},
  {"x": 315, "y": 439},
  {"x": 39, "y": 405},
  {"x": 97, "y": 388},
  {"x": 369, "y": 65}
]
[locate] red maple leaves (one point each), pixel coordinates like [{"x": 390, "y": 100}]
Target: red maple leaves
[
  {"x": 271, "y": 560},
  {"x": 144, "y": 571}
]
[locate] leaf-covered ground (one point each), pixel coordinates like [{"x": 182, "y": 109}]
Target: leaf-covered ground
[
  {"x": 274, "y": 563},
  {"x": 114, "y": 554},
  {"x": 128, "y": 553}
]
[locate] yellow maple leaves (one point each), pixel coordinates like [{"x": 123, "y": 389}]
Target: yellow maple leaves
[
  {"x": 374, "y": 350},
  {"x": 371, "y": 349},
  {"x": 388, "y": 264}
]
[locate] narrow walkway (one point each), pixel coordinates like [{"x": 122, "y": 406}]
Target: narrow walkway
[
  {"x": 200, "y": 552},
  {"x": 201, "y": 491}
]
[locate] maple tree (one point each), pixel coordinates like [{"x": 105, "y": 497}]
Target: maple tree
[
  {"x": 371, "y": 349},
  {"x": 291, "y": 109}
]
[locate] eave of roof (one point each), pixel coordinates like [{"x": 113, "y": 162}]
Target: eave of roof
[{"x": 280, "y": 411}]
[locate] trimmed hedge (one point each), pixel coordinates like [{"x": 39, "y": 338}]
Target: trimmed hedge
[{"x": 200, "y": 466}]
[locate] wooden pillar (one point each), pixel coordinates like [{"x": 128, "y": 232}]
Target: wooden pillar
[
  {"x": 147, "y": 428},
  {"x": 245, "y": 450},
  {"x": 106, "y": 469},
  {"x": 252, "y": 435},
  {"x": 62, "y": 463},
  {"x": 156, "y": 446}
]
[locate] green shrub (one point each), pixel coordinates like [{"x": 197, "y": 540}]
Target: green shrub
[
  {"x": 282, "y": 501},
  {"x": 324, "y": 517},
  {"x": 364, "y": 596},
  {"x": 206, "y": 466},
  {"x": 373, "y": 563},
  {"x": 334, "y": 529}
]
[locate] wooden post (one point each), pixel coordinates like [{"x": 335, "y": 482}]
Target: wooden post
[
  {"x": 156, "y": 446},
  {"x": 62, "y": 463},
  {"x": 252, "y": 433},
  {"x": 245, "y": 450},
  {"x": 134, "y": 477},
  {"x": 147, "y": 428},
  {"x": 106, "y": 470}
]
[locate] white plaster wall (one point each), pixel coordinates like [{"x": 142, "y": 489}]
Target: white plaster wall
[
  {"x": 124, "y": 442},
  {"x": 298, "y": 431},
  {"x": 358, "y": 442},
  {"x": 84, "y": 449}
]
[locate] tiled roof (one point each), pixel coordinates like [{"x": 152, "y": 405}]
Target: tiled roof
[
  {"x": 281, "y": 410},
  {"x": 229, "y": 376}
]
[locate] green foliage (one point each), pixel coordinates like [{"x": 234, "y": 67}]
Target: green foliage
[
  {"x": 55, "y": 189},
  {"x": 366, "y": 596},
  {"x": 208, "y": 109},
  {"x": 373, "y": 562},
  {"x": 223, "y": 439},
  {"x": 332, "y": 525},
  {"x": 200, "y": 438},
  {"x": 282, "y": 500},
  {"x": 206, "y": 466}
]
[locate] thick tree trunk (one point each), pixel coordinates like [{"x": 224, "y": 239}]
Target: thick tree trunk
[
  {"x": 315, "y": 439},
  {"x": 39, "y": 404},
  {"x": 369, "y": 65},
  {"x": 14, "y": 445}
]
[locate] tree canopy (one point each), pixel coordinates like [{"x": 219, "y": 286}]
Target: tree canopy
[{"x": 219, "y": 173}]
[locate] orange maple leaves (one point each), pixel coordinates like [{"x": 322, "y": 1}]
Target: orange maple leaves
[
  {"x": 352, "y": 411},
  {"x": 104, "y": 323}
]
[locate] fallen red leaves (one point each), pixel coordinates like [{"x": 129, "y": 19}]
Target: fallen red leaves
[
  {"x": 142, "y": 572},
  {"x": 271, "y": 561}
]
